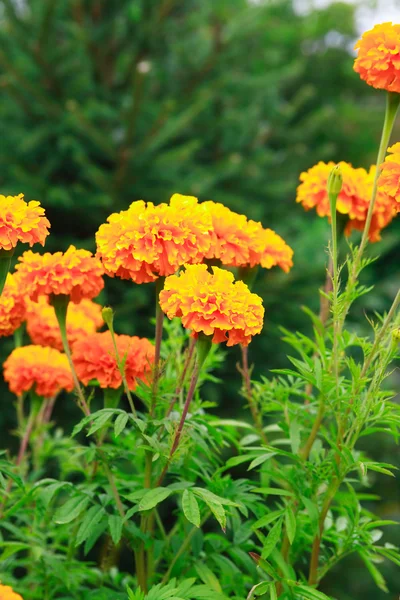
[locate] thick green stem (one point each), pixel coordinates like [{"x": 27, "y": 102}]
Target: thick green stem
[
  {"x": 60, "y": 303},
  {"x": 158, "y": 339}
]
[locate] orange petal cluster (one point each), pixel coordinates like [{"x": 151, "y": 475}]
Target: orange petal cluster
[
  {"x": 42, "y": 325},
  {"x": 21, "y": 221},
  {"x": 7, "y": 593},
  {"x": 75, "y": 273},
  {"x": 148, "y": 241},
  {"x": 239, "y": 242},
  {"x": 389, "y": 179},
  {"x": 378, "y": 60},
  {"x": 95, "y": 359},
  {"x": 353, "y": 200},
  {"x": 45, "y": 370},
  {"x": 12, "y": 306},
  {"x": 213, "y": 303}
]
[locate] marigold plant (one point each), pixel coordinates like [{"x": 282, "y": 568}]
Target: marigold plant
[
  {"x": 94, "y": 358},
  {"x": 74, "y": 273},
  {"x": 21, "y": 221},
  {"x": 214, "y": 304},
  {"x": 389, "y": 178},
  {"x": 7, "y": 593},
  {"x": 12, "y": 306},
  {"x": 43, "y": 328},
  {"x": 43, "y": 370},
  {"x": 378, "y": 61},
  {"x": 148, "y": 241}
]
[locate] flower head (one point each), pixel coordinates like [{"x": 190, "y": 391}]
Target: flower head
[
  {"x": 213, "y": 303},
  {"x": 389, "y": 179},
  {"x": 21, "y": 221},
  {"x": 42, "y": 325},
  {"x": 75, "y": 273},
  {"x": 239, "y": 242},
  {"x": 378, "y": 60},
  {"x": 147, "y": 241},
  {"x": 45, "y": 370},
  {"x": 12, "y": 307},
  {"x": 353, "y": 199},
  {"x": 94, "y": 358},
  {"x": 7, "y": 593}
]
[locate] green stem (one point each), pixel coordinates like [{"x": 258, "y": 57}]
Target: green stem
[
  {"x": 158, "y": 339},
  {"x": 305, "y": 451},
  {"x": 122, "y": 370},
  {"x": 60, "y": 303}
]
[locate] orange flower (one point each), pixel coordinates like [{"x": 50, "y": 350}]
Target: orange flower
[
  {"x": 239, "y": 242},
  {"x": 7, "y": 593},
  {"x": 353, "y": 200},
  {"x": 389, "y": 179},
  {"x": 94, "y": 359},
  {"x": 378, "y": 60},
  {"x": 21, "y": 222},
  {"x": 148, "y": 241},
  {"x": 42, "y": 325},
  {"x": 45, "y": 370},
  {"x": 75, "y": 273},
  {"x": 12, "y": 307},
  {"x": 213, "y": 303}
]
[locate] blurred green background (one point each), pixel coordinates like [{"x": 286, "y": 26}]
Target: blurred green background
[{"x": 105, "y": 102}]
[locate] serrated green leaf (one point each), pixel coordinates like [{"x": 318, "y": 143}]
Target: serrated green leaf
[
  {"x": 120, "y": 423},
  {"x": 309, "y": 593},
  {"x": 290, "y": 524},
  {"x": 115, "y": 525},
  {"x": 267, "y": 519},
  {"x": 191, "y": 508},
  {"x": 208, "y": 577},
  {"x": 272, "y": 539},
  {"x": 71, "y": 509},
  {"x": 153, "y": 497},
  {"x": 269, "y": 491},
  {"x": 91, "y": 519}
]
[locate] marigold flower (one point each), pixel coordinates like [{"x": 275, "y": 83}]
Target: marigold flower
[
  {"x": 239, "y": 242},
  {"x": 12, "y": 307},
  {"x": 389, "y": 179},
  {"x": 353, "y": 199},
  {"x": 94, "y": 358},
  {"x": 378, "y": 60},
  {"x": 75, "y": 273},
  {"x": 7, "y": 593},
  {"x": 21, "y": 221},
  {"x": 42, "y": 325},
  {"x": 45, "y": 370},
  {"x": 147, "y": 241},
  {"x": 213, "y": 303}
]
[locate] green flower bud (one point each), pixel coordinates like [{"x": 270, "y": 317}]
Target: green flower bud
[
  {"x": 108, "y": 316},
  {"x": 396, "y": 334},
  {"x": 335, "y": 181}
]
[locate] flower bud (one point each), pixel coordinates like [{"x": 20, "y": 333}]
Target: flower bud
[
  {"x": 396, "y": 334},
  {"x": 108, "y": 316},
  {"x": 335, "y": 181}
]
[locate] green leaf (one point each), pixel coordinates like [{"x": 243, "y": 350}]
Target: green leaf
[
  {"x": 272, "y": 539},
  {"x": 309, "y": 592},
  {"x": 47, "y": 493},
  {"x": 120, "y": 423},
  {"x": 219, "y": 513},
  {"x": 294, "y": 434},
  {"x": 115, "y": 525},
  {"x": 374, "y": 571},
  {"x": 312, "y": 510},
  {"x": 208, "y": 577},
  {"x": 268, "y": 491},
  {"x": 267, "y": 519},
  {"x": 191, "y": 508},
  {"x": 272, "y": 593},
  {"x": 207, "y": 495},
  {"x": 71, "y": 509},
  {"x": 290, "y": 524},
  {"x": 260, "y": 460},
  {"x": 92, "y": 518},
  {"x": 99, "y": 420},
  {"x": 153, "y": 497}
]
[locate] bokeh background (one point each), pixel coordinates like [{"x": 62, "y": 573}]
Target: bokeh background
[{"x": 104, "y": 102}]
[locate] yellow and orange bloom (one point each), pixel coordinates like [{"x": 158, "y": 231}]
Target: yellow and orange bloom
[
  {"x": 239, "y": 242},
  {"x": 21, "y": 221},
  {"x": 12, "y": 307},
  {"x": 7, "y": 593},
  {"x": 74, "y": 273},
  {"x": 353, "y": 199},
  {"x": 214, "y": 304},
  {"x": 42, "y": 326},
  {"x": 389, "y": 179},
  {"x": 378, "y": 59},
  {"x": 94, "y": 358},
  {"x": 148, "y": 241},
  {"x": 44, "y": 370}
]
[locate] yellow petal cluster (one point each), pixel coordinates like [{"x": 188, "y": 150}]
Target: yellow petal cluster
[{"x": 21, "y": 221}]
